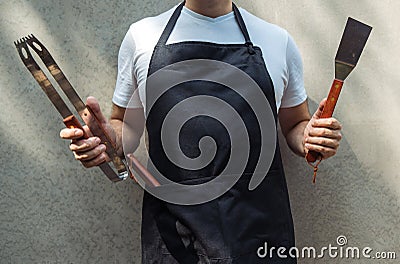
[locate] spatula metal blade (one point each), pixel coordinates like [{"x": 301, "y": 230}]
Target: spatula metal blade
[{"x": 353, "y": 41}]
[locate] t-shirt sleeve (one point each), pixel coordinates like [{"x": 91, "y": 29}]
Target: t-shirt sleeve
[
  {"x": 294, "y": 93},
  {"x": 126, "y": 93}
]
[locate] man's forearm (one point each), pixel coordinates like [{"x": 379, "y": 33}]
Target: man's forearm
[
  {"x": 131, "y": 137},
  {"x": 295, "y": 138},
  {"x": 117, "y": 127}
]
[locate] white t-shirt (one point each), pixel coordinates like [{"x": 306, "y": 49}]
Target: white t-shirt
[{"x": 280, "y": 53}]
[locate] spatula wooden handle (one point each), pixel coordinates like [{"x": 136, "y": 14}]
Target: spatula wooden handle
[
  {"x": 332, "y": 98},
  {"x": 327, "y": 112}
]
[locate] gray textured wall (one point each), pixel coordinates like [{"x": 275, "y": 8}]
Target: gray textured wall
[{"x": 52, "y": 210}]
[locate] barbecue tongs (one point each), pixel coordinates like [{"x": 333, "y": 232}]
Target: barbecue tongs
[{"x": 83, "y": 110}]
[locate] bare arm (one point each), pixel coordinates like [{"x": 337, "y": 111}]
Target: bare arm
[
  {"x": 134, "y": 126},
  {"x": 293, "y": 122}
]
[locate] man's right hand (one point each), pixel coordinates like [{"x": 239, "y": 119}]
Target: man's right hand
[{"x": 89, "y": 151}]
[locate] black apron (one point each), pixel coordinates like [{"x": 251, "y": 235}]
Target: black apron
[{"x": 231, "y": 228}]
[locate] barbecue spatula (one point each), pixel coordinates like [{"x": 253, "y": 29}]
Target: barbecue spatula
[{"x": 353, "y": 41}]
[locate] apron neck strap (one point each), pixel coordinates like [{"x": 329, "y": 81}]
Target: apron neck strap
[
  {"x": 174, "y": 18},
  {"x": 242, "y": 25}
]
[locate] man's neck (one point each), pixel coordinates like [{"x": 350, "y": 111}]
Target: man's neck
[{"x": 210, "y": 8}]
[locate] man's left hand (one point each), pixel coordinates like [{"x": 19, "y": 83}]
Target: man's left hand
[{"x": 322, "y": 134}]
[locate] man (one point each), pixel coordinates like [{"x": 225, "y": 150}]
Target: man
[{"x": 230, "y": 228}]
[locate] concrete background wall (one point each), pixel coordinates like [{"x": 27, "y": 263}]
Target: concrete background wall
[{"x": 52, "y": 210}]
